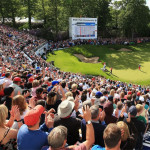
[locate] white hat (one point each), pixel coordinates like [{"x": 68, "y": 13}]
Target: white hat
[
  {"x": 65, "y": 108},
  {"x": 141, "y": 98},
  {"x": 70, "y": 98}
]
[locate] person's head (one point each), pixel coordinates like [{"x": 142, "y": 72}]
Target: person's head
[
  {"x": 35, "y": 83},
  {"x": 32, "y": 117},
  {"x": 102, "y": 100},
  {"x": 94, "y": 112},
  {"x": 57, "y": 137},
  {"x": 20, "y": 101},
  {"x": 139, "y": 108},
  {"x": 98, "y": 94},
  {"x": 63, "y": 84},
  {"x": 39, "y": 92},
  {"x": 51, "y": 99},
  {"x": 122, "y": 95},
  {"x": 74, "y": 87},
  {"x": 17, "y": 80},
  {"x": 119, "y": 105},
  {"x": 133, "y": 112},
  {"x": 55, "y": 83},
  {"x": 8, "y": 75},
  {"x": 83, "y": 97},
  {"x": 112, "y": 92},
  {"x": 105, "y": 93},
  {"x": 9, "y": 91},
  {"x": 123, "y": 126},
  {"x": 67, "y": 94},
  {"x": 65, "y": 108},
  {"x": 3, "y": 115},
  {"x": 112, "y": 137}
]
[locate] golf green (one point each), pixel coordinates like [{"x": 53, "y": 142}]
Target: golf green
[{"x": 124, "y": 63}]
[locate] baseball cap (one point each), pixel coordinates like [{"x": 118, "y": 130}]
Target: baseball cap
[
  {"x": 31, "y": 79},
  {"x": 133, "y": 110},
  {"x": 54, "y": 82},
  {"x": 138, "y": 93},
  {"x": 98, "y": 94},
  {"x": 17, "y": 79},
  {"x": 33, "y": 115},
  {"x": 129, "y": 93}
]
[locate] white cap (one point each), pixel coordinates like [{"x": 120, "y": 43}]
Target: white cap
[{"x": 141, "y": 98}]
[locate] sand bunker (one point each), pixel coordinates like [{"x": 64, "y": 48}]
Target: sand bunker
[
  {"x": 87, "y": 60},
  {"x": 125, "y": 50}
]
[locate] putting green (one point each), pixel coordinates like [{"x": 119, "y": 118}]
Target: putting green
[{"x": 124, "y": 63}]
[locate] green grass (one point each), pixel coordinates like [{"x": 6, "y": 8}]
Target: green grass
[{"x": 124, "y": 64}]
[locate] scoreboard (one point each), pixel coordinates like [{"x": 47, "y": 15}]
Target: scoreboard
[{"x": 82, "y": 28}]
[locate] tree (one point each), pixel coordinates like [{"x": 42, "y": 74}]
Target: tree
[{"x": 134, "y": 17}]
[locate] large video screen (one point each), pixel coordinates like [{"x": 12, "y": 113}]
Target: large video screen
[{"x": 82, "y": 28}]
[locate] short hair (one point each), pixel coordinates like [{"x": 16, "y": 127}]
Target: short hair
[
  {"x": 112, "y": 135},
  {"x": 124, "y": 126},
  {"x": 7, "y": 74},
  {"x": 3, "y": 114},
  {"x": 57, "y": 137},
  {"x": 74, "y": 86},
  {"x": 94, "y": 111},
  {"x": 63, "y": 84},
  {"x": 139, "y": 107},
  {"x": 67, "y": 94}
]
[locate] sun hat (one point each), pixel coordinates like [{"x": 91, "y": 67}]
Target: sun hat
[
  {"x": 70, "y": 98},
  {"x": 65, "y": 108},
  {"x": 33, "y": 115}
]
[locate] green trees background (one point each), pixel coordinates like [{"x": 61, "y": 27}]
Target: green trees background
[{"x": 124, "y": 18}]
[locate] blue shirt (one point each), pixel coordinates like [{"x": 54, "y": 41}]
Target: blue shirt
[
  {"x": 32, "y": 139},
  {"x": 98, "y": 147}
]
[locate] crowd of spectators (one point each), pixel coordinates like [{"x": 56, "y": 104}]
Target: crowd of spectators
[
  {"x": 98, "y": 41},
  {"x": 45, "y": 108}
]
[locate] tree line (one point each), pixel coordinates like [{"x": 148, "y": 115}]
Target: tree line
[{"x": 127, "y": 18}]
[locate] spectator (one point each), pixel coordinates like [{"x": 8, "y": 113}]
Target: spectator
[
  {"x": 64, "y": 118},
  {"x": 30, "y": 131},
  {"x": 7, "y": 99},
  {"x": 16, "y": 86},
  {"x": 112, "y": 138},
  {"x": 98, "y": 125},
  {"x": 57, "y": 139}
]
